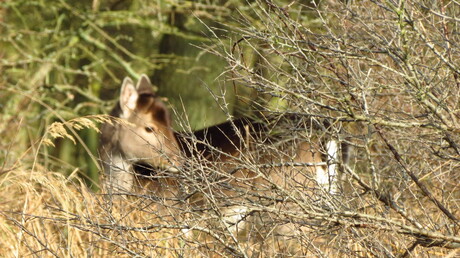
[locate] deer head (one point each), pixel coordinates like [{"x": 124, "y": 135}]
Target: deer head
[{"x": 149, "y": 137}]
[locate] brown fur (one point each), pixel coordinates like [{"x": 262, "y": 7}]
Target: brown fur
[{"x": 229, "y": 149}]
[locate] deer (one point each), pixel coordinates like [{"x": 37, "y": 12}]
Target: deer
[{"x": 148, "y": 140}]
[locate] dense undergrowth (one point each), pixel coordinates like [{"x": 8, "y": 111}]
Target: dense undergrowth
[{"x": 383, "y": 76}]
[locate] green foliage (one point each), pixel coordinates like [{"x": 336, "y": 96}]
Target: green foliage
[{"x": 66, "y": 59}]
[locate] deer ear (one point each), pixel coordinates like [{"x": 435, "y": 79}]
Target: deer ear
[
  {"x": 161, "y": 113},
  {"x": 128, "y": 97},
  {"x": 144, "y": 86}
]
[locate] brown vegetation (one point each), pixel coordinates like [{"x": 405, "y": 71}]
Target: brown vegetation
[{"x": 383, "y": 77}]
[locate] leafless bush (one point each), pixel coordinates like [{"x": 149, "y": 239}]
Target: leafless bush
[
  {"x": 386, "y": 77},
  {"x": 381, "y": 77}
]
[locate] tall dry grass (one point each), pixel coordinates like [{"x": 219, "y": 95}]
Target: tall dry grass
[
  {"x": 46, "y": 214},
  {"x": 385, "y": 74}
]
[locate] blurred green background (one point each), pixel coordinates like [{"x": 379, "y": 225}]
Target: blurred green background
[{"x": 66, "y": 59}]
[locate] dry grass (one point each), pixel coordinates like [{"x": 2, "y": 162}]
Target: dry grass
[{"x": 46, "y": 214}]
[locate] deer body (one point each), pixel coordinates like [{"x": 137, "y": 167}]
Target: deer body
[
  {"x": 298, "y": 167},
  {"x": 228, "y": 141}
]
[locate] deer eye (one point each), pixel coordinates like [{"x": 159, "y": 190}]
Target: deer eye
[{"x": 149, "y": 129}]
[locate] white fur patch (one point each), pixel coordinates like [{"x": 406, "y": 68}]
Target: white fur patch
[
  {"x": 120, "y": 176},
  {"x": 235, "y": 217},
  {"x": 328, "y": 178}
]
